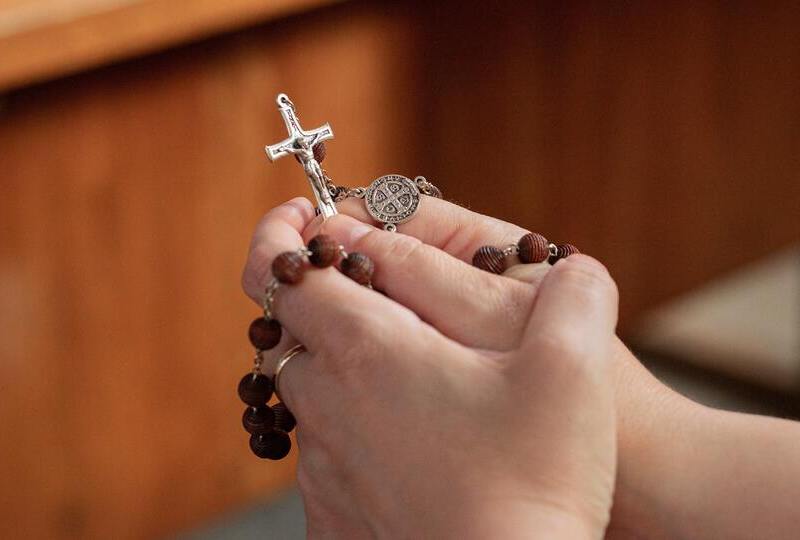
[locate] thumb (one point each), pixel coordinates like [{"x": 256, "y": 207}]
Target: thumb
[{"x": 574, "y": 314}]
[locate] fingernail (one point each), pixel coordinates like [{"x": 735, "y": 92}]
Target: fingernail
[{"x": 346, "y": 229}]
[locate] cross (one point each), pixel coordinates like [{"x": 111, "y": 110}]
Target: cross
[
  {"x": 301, "y": 144},
  {"x": 392, "y": 198}
]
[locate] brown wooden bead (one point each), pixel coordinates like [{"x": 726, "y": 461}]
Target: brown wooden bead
[
  {"x": 264, "y": 333},
  {"x": 533, "y": 248},
  {"x": 320, "y": 151},
  {"x": 324, "y": 251},
  {"x": 255, "y": 389},
  {"x": 359, "y": 268},
  {"x": 284, "y": 419},
  {"x": 273, "y": 445},
  {"x": 562, "y": 252},
  {"x": 258, "y": 419},
  {"x": 288, "y": 267},
  {"x": 490, "y": 258}
]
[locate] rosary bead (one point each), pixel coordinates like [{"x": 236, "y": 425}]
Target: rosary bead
[
  {"x": 272, "y": 445},
  {"x": 288, "y": 267},
  {"x": 324, "y": 251},
  {"x": 359, "y": 268},
  {"x": 533, "y": 248},
  {"x": 264, "y": 333},
  {"x": 258, "y": 419},
  {"x": 490, "y": 258},
  {"x": 320, "y": 151},
  {"x": 562, "y": 252},
  {"x": 255, "y": 389},
  {"x": 284, "y": 419}
]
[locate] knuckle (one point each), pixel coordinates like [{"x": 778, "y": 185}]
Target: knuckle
[
  {"x": 560, "y": 342},
  {"x": 353, "y": 359},
  {"x": 352, "y": 364},
  {"x": 355, "y": 332},
  {"x": 400, "y": 248},
  {"x": 565, "y": 354},
  {"x": 508, "y": 299}
]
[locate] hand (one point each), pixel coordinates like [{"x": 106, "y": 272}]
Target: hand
[
  {"x": 409, "y": 426},
  {"x": 654, "y": 424}
]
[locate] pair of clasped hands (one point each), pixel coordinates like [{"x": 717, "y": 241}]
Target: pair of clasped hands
[{"x": 462, "y": 404}]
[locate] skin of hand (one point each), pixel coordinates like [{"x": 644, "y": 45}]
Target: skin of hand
[
  {"x": 684, "y": 470},
  {"x": 411, "y": 424}
]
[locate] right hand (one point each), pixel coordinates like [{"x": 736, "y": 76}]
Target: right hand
[{"x": 650, "y": 416}]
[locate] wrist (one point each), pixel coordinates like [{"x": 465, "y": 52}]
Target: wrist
[
  {"x": 530, "y": 520},
  {"x": 654, "y": 423}
]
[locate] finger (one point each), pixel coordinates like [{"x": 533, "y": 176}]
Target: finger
[
  {"x": 278, "y": 231},
  {"x": 532, "y": 274},
  {"x": 461, "y": 301},
  {"x": 297, "y": 387},
  {"x": 452, "y": 228},
  {"x": 575, "y": 312},
  {"x": 327, "y": 312}
]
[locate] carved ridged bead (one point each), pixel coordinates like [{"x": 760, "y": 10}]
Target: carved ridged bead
[
  {"x": 319, "y": 152},
  {"x": 490, "y": 258},
  {"x": 324, "y": 251},
  {"x": 272, "y": 445},
  {"x": 284, "y": 419},
  {"x": 533, "y": 248},
  {"x": 562, "y": 252},
  {"x": 288, "y": 267},
  {"x": 359, "y": 268},
  {"x": 258, "y": 419},
  {"x": 264, "y": 333},
  {"x": 255, "y": 389}
]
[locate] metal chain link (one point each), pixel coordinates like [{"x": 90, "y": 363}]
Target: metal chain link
[{"x": 340, "y": 193}]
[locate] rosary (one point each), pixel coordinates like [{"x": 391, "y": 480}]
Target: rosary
[{"x": 391, "y": 200}]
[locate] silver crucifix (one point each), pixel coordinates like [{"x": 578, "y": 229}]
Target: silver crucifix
[{"x": 301, "y": 144}]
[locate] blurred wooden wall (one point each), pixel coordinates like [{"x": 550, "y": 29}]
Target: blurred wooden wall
[
  {"x": 127, "y": 200},
  {"x": 661, "y": 137}
]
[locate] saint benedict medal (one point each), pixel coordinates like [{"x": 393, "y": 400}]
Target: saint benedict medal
[{"x": 393, "y": 199}]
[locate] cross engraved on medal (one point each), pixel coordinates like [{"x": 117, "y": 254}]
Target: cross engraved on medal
[{"x": 392, "y": 199}]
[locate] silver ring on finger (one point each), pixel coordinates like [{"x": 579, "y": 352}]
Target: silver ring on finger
[{"x": 282, "y": 361}]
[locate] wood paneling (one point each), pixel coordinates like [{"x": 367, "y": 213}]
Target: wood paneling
[
  {"x": 41, "y": 39},
  {"x": 127, "y": 199},
  {"x": 662, "y": 137}
]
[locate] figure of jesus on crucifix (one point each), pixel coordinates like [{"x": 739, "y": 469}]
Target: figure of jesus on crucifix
[{"x": 301, "y": 144}]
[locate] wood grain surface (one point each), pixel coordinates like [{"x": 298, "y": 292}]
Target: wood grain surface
[
  {"x": 127, "y": 200},
  {"x": 42, "y": 39},
  {"x": 660, "y": 137}
]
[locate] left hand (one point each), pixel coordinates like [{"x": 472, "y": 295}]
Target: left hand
[{"x": 408, "y": 429}]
